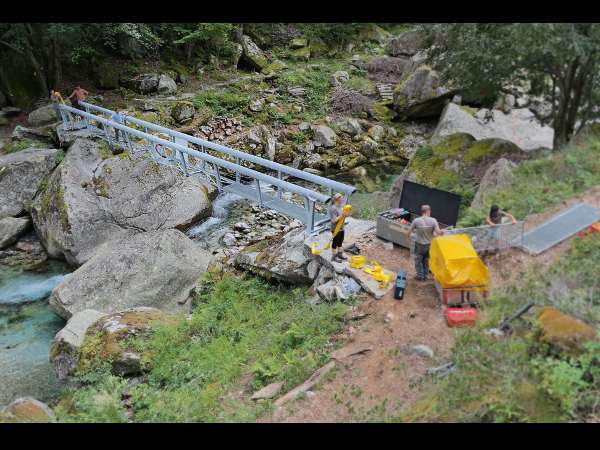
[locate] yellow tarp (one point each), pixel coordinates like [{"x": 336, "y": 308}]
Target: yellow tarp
[{"x": 455, "y": 264}]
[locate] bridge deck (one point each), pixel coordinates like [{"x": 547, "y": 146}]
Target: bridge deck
[{"x": 268, "y": 201}]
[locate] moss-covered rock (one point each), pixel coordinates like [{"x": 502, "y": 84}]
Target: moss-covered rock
[
  {"x": 373, "y": 33},
  {"x": 303, "y": 54},
  {"x": 563, "y": 332},
  {"x": 252, "y": 55},
  {"x": 450, "y": 159},
  {"x": 298, "y": 43},
  {"x": 109, "y": 339},
  {"x": 183, "y": 110},
  {"x": 106, "y": 78},
  {"x": 317, "y": 47},
  {"x": 17, "y": 76}
]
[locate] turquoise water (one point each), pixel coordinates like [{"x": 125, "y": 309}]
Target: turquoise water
[{"x": 27, "y": 327}]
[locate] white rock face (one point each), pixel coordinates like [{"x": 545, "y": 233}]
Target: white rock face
[
  {"x": 407, "y": 44},
  {"x": 519, "y": 126},
  {"x": 11, "y": 228},
  {"x": 496, "y": 177},
  {"x": 166, "y": 85}
]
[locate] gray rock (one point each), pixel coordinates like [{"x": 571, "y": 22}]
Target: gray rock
[
  {"x": 42, "y": 116},
  {"x": 338, "y": 78},
  {"x": 183, "y": 110},
  {"x": 182, "y": 79},
  {"x": 298, "y": 43},
  {"x": 66, "y": 343},
  {"x": 143, "y": 84},
  {"x": 158, "y": 269},
  {"x": 11, "y": 228},
  {"x": 422, "y": 351},
  {"x": 406, "y": 44},
  {"x": 307, "y": 147},
  {"x": 497, "y": 177},
  {"x": 91, "y": 201},
  {"x": 166, "y": 85},
  {"x": 325, "y": 136},
  {"x": 368, "y": 147},
  {"x": 421, "y": 94},
  {"x": 520, "y": 126},
  {"x": 313, "y": 161},
  {"x": 21, "y": 174},
  {"x": 377, "y": 132},
  {"x": 257, "y": 105},
  {"x": 43, "y": 135},
  {"x": 11, "y": 111},
  {"x": 144, "y": 105},
  {"x": 284, "y": 259},
  {"x": 229, "y": 240},
  {"x": 351, "y": 127},
  {"x": 253, "y": 55},
  {"x": 304, "y": 126}
]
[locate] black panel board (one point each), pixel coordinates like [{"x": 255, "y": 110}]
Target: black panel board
[{"x": 444, "y": 204}]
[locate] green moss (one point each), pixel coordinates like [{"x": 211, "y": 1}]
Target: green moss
[
  {"x": 432, "y": 95},
  {"x": 467, "y": 109},
  {"x": 124, "y": 154}
]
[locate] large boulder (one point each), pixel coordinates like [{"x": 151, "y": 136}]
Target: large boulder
[
  {"x": 421, "y": 94},
  {"x": 563, "y": 333},
  {"x": 166, "y": 85},
  {"x": 158, "y": 269},
  {"x": 142, "y": 84},
  {"x": 283, "y": 259},
  {"x": 338, "y": 78},
  {"x": 17, "y": 77},
  {"x": 450, "y": 160},
  {"x": 519, "y": 126},
  {"x": 66, "y": 343},
  {"x": 21, "y": 174},
  {"x": 11, "y": 228},
  {"x": 252, "y": 55},
  {"x": 108, "y": 339},
  {"x": 351, "y": 127},
  {"x": 497, "y": 177},
  {"x": 91, "y": 201},
  {"x": 407, "y": 44},
  {"x": 373, "y": 33},
  {"x": 42, "y": 116},
  {"x": 44, "y": 135}
]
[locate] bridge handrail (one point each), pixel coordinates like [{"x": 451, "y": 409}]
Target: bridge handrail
[
  {"x": 238, "y": 154},
  {"x": 311, "y": 195}
]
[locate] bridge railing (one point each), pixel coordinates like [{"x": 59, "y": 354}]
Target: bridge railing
[{"x": 173, "y": 151}]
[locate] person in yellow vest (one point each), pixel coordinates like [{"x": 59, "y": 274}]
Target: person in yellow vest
[
  {"x": 337, "y": 213},
  {"x": 55, "y": 102}
]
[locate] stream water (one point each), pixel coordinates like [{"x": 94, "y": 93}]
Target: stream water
[{"x": 28, "y": 325}]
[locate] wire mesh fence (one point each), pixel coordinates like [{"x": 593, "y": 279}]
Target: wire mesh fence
[{"x": 488, "y": 237}]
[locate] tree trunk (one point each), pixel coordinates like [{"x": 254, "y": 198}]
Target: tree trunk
[
  {"x": 239, "y": 32},
  {"x": 39, "y": 72}
]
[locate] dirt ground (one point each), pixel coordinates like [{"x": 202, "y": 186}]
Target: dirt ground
[{"x": 418, "y": 320}]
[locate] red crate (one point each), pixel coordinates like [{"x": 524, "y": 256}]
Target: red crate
[{"x": 461, "y": 317}]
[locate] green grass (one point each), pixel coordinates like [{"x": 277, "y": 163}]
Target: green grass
[{"x": 243, "y": 335}]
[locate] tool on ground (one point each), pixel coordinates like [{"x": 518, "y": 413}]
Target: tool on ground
[
  {"x": 349, "y": 209},
  {"x": 500, "y": 330},
  {"x": 379, "y": 275},
  {"x": 358, "y": 262}
]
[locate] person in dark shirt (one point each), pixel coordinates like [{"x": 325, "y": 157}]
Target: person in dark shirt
[
  {"x": 494, "y": 219},
  {"x": 427, "y": 227}
]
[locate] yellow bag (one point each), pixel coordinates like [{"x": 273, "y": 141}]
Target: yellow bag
[
  {"x": 349, "y": 209},
  {"x": 455, "y": 264}
]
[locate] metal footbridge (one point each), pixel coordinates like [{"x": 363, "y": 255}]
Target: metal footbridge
[{"x": 228, "y": 169}]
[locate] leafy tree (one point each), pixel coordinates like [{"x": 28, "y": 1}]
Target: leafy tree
[
  {"x": 44, "y": 44},
  {"x": 192, "y": 35},
  {"x": 556, "y": 60}
]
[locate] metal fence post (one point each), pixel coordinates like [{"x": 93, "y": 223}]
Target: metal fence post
[{"x": 257, "y": 184}]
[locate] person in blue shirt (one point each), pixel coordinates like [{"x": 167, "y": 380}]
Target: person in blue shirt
[{"x": 118, "y": 118}]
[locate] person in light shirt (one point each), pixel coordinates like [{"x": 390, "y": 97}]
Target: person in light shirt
[{"x": 117, "y": 117}]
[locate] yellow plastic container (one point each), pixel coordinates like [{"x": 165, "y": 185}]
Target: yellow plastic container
[{"x": 358, "y": 262}]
